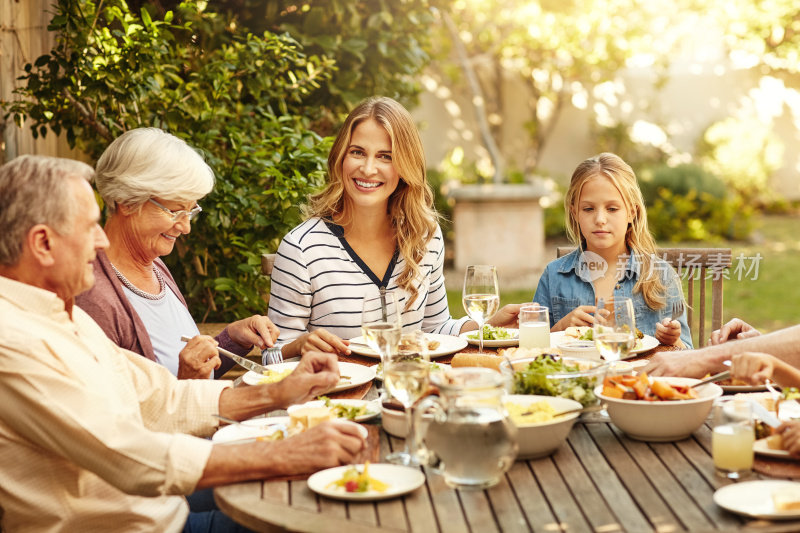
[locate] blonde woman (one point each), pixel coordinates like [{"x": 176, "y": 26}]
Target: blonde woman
[
  {"x": 372, "y": 226},
  {"x": 607, "y": 221}
]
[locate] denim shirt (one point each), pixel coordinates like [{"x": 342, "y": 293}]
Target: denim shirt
[{"x": 562, "y": 290}]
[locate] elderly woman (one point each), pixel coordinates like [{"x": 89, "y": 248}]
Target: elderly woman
[{"x": 151, "y": 182}]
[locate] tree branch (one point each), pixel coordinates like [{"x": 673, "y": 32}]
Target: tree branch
[{"x": 88, "y": 117}]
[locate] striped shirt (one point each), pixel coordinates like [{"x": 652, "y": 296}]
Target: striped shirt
[{"x": 318, "y": 281}]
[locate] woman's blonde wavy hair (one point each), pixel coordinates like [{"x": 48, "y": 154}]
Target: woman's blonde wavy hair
[
  {"x": 638, "y": 239},
  {"x": 410, "y": 205}
]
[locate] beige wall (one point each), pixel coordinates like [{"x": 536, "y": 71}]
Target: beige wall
[{"x": 23, "y": 38}]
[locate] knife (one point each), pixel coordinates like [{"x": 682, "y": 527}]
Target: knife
[
  {"x": 761, "y": 412},
  {"x": 241, "y": 361}
]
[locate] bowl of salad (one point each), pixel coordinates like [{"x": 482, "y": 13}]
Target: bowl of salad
[{"x": 553, "y": 375}]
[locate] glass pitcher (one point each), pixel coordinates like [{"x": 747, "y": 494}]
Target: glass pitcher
[{"x": 471, "y": 438}]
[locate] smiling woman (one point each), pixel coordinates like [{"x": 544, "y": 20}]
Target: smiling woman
[{"x": 151, "y": 183}]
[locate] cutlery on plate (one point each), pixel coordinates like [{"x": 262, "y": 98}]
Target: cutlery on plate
[
  {"x": 237, "y": 423},
  {"x": 762, "y": 414},
  {"x": 241, "y": 361},
  {"x": 716, "y": 377}
]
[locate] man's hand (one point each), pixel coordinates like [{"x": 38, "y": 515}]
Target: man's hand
[
  {"x": 324, "y": 446},
  {"x": 690, "y": 364},
  {"x": 198, "y": 358},
  {"x": 316, "y": 374},
  {"x": 752, "y": 367},
  {"x": 734, "y": 330},
  {"x": 256, "y": 330}
]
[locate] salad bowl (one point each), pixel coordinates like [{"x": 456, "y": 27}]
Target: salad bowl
[{"x": 552, "y": 375}]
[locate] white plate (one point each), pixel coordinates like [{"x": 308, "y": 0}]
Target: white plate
[
  {"x": 401, "y": 480},
  {"x": 358, "y": 374},
  {"x": 761, "y": 448},
  {"x": 373, "y": 407},
  {"x": 497, "y": 343},
  {"x": 754, "y": 498},
  {"x": 648, "y": 343},
  {"x": 447, "y": 344},
  {"x": 251, "y": 429},
  {"x": 442, "y": 366}
]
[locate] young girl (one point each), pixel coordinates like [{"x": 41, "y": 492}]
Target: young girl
[
  {"x": 615, "y": 256},
  {"x": 373, "y": 226}
]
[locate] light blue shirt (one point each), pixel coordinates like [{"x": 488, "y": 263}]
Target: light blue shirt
[{"x": 562, "y": 289}]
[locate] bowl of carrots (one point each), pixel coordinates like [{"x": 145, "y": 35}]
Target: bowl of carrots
[{"x": 661, "y": 409}]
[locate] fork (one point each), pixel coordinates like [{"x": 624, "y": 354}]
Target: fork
[
  {"x": 272, "y": 355},
  {"x": 677, "y": 309}
]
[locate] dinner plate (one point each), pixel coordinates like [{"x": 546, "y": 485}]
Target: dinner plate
[
  {"x": 648, "y": 343},
  {"x": 447, "y": 344},
  {"x": 496, "y": 343},
  {"x": 401, "y": 480},
  {"x": 251, "y": 429},
  {"x": 442, "y": 366},
  {"x": 761, "y": 448},
  {"x": 356, "y": 375},
  {"x": 743, "y": 388},
  {"x": 373, "y": 407},
  {"x": 754, "y": 498}
]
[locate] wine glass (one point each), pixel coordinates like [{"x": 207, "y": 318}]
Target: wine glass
[
  {"x": 381, "y": 322},
  {"x": 405, "y": 376},
  {"x": 614, "y": 328},
  {"x": 481, "y": 296}
]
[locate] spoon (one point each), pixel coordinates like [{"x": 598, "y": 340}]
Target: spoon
[{"x": 716, "y": 377}]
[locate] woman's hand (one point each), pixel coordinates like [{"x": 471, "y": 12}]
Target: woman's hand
[
  {"x": 752, "y": 367},
  {"x": 580, "y": 316},
  {"x": 255, "y": 330},
  {"x": 319, "y": 340},
  {"x": 198, "y": 358},
  {"x": 506, "y": 317},
  {"x": 668, "y": 332},
  {"x": 733, "y": 330}
]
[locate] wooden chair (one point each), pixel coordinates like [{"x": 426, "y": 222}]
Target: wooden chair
[
  {"x": 267, "y": 262},
  {"x": 695, "y": 266}
]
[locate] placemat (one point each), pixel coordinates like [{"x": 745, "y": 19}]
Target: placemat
[
  {"x": 777, "y": 467},
  {"x": 371, "y": 453}
]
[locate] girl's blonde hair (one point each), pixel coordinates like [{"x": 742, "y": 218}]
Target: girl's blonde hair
[
  {"x": 637, "y": 238},
  {"x": 410, "y": 205}
]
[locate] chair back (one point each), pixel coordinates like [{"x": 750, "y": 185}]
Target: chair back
[
  {"x": 699, "y": 268},
  {"x": 267, "y": 262}
]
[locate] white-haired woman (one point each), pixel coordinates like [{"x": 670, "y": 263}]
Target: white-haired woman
[{"x": 151, "y": 182}]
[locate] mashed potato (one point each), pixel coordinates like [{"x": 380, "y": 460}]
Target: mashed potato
[
  {"x": 273, "y": 376},
  {"x": 536, "y": 413}
]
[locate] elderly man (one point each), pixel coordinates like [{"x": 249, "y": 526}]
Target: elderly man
[{"x": 93, "y": 436}]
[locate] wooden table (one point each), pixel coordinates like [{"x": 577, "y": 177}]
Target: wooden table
[{"x": 599, "y": 480}]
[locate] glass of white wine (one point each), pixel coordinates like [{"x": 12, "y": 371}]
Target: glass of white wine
[
  {"x": 614, "y": 328},
  {"x": 381, "y": 322},
  {"x": 481, "y": 297},
  {"x": 405, "y": 376}
]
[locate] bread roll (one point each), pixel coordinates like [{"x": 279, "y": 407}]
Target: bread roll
[
  {"x": 775, "y": 442},
  {"x": 485, "y": 360},
  {"x": 787, "y": 499}
]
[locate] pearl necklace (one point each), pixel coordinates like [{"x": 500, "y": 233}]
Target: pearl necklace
[{"x": 162, "y": 287}]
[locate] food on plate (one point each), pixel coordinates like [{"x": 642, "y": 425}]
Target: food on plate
[
  {"x": 485, "y": 360},
  {"x": 786, "y": 499},
  {"x": 534, "y": 379},
  {"x": 533, "y": 413},
  {"x": 775, "y": 442},
  {"x": 340, "y": 410},
  {"x": 581, "y": 333},
  {"x": 409, "y": 344},
  {"x": 640, "y": 387},
  {"x": 354, "y": 481},
  {"x": 732, "y": 382},
  {"x": 308, "y": 417},
  {"x": 491, "y": 333},
  {"x": 520, "y": 353},
  {"x": 273, "y": 376}
]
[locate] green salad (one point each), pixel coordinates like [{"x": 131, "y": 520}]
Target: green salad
[
  {"x": 350, "y": 412},
  {"x": 534, "y": 380},
  {"x": 491, "y": 333}
]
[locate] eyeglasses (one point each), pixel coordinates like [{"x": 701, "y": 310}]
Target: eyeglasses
[{"x": 178, "y": 215}]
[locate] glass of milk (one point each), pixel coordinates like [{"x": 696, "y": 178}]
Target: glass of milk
[{"x": 534, "y": 326}]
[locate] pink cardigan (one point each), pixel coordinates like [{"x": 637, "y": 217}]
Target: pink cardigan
[{"x": 107, "y": 304}]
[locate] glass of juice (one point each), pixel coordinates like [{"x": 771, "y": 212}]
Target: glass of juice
[
  {"x": 534, "y": 326},
  {"x": 732, "y": 437}
]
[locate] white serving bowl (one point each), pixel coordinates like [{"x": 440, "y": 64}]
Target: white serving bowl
[
  {"x": 543, "y": 438},
  {"x": 580, "y": 349},
  {"x": 394, "y": 422},
  {"x": 662, "y": 421}
]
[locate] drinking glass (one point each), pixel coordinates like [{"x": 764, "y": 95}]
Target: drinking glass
[
  {"x": 614, "y": 328},
  {"x": 405, "y": 376},
  {"x": 381, "y": 322},
  {"x": 481, "y": 297},
  {"x": 534, "y": 326},
  {"x": 732, "y": 437}
]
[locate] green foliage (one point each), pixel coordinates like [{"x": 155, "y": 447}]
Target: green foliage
[
  {"x": 238, "y": 97},
  {"x": 685, "y": 203}
]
